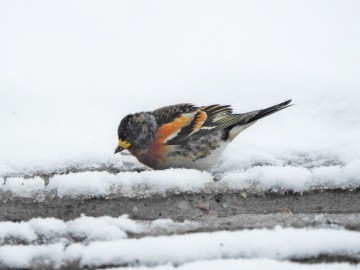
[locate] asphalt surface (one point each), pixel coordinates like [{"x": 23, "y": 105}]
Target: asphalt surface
[{"x": 182, "y": 206}]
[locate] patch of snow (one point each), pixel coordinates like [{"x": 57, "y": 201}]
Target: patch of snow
[
  {"x": 27, "y": 256},
  {"x": 86, "y": 183},
  {"x": 23, "y": 187},
  {"x": 295, "y": 178},
  {"x": 176, "y": 181},
  {"x": 162, "y": 223},
  {"x": 105, "y": 228},
  {"x": 161, "y": 182},
  {"x": 73, "y": 252},
  {"x": 278, "y": 244},
  {"x": 84, "y": 228},
  {"x": 47, "y": 227},
  {"x": 128, "y": 183},
  {"x": 192, "y": 249},
  {"x": 20, "y": 231},
  {"x": 248, "y": 264}
]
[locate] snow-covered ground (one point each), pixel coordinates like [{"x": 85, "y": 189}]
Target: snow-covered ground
[
  {"x": 71, "y": 70},
  {"x": 175, "y": 181},
  {"x": 86, "y": 229},
  {"x": 106, "y": 242},
  {"x": 250, "y": 264}
]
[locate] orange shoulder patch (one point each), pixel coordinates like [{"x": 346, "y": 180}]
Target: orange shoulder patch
[
  {"x": 169, "y": 130},
  {"x": 201, "y": 117}
]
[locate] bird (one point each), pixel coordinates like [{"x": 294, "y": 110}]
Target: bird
[{"x": 185, "y": 135}]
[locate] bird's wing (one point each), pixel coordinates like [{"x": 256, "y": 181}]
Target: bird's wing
[
  {"x": 181, "y": 123},
  {"x": 186, "y": 122},
  {"x": 170, "y": 113}
]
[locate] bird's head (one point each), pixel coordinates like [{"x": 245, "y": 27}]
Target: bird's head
[{"x": 136, "y": 131}]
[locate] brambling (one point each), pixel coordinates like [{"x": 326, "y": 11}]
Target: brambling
[{"x": 184, "y": 135}]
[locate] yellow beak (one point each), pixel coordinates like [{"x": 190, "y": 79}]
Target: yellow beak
[{"x": 122, "y": 145}]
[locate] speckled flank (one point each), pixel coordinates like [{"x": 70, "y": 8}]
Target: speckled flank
[
  {"x": 200, "y": 154},
  {"x": 197, "y": 149}
]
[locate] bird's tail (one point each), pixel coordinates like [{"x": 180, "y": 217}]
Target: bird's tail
[
  {"x": 256, "y": 115},
  {"x": 245, "y": 120}
]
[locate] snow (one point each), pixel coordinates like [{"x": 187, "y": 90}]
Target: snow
[
  {"x": 249, "y": 264},
  {"x": 16, "y": 230},
  {"x": 144, "y": 184},
  {"x": 71, "y": 71},
  {"x": 105, "y": 228},
  {"x": 45, "y": 228},
  {"x": 280, "y": 244},
  {"x": 295, "y": 178},
  {"x": 222, "y": 247},
  {"x": 26, "y": 256},
  {"x": 130, "y": 184},
  {"x": 84, "y": 228},
  {"x": 252, "y": 264},
  {"x": 23, "y": 187}
]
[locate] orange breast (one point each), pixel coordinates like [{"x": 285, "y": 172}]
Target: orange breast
[{"x": 157, "y": 150}]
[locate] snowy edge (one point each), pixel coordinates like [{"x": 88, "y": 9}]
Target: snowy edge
[
  {"x": 248, "y": 264},
  {"x": 85, "y": 229},
  {"x": 175, "y": 181},
  {"x": 278, "y": 244}
]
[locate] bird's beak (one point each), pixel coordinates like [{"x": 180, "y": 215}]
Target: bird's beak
[
  {"x": 118, "y": 149},
  {"x": 121, "y": 146}
]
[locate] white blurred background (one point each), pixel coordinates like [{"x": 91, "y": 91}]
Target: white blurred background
[{"x": 70, "y": 70}]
